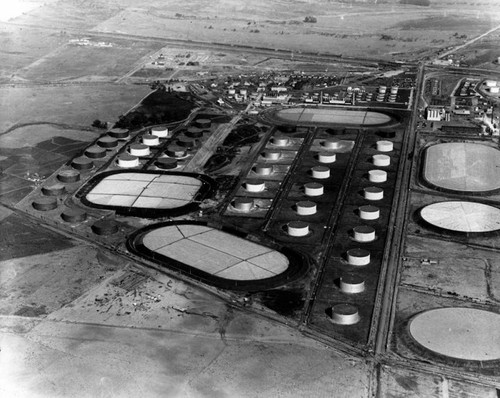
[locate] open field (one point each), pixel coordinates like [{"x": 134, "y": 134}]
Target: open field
[
  {"x": 73, "y": 105},
  {"x": 72, "y": 61}
]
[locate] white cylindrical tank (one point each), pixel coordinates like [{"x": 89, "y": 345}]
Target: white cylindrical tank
[
  {"x": 385, "y": 146},
  {"x": 255, "y": 185},
  {"x": 364, "y": 233},
  {"x": 331, "y": 143},
  {"x": 345, "y": 314},
  {"x": 271, "y": 155},
  {"x": 313, "y": 189},
  {"x": 373, "y": 193},
  {"x": 263, "y": 169},
  {"x": 243, "y": 204},
  {"x": 320, "y": 172},
  {"x": 351, "y": 283},
  {"x": 377, "y": 176},
  {"x": 369, "y": 212},
  {"x": 126, "y": 161},
  {"x": 297, "y": 228},
  {"x": 139, "y": 150},
  {"x": 382, "y": 89},
  {"x": 358, "y": 257},
  {"x": 150, "y": 140},
  {"x": 160, "y": 131},
  {"x": 280, "y": 140},
  {"x": 327, "y": 157},
  {"x": 381, "y": 160},
  {"x": 306, "y": 208}
]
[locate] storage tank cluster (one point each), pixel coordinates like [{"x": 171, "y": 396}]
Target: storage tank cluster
[
  {"x": 364, "y": 233},
  {"x": 258, "y": 176}
]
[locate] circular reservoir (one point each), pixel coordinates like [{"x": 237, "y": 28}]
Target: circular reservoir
[
  {"x": 460, "y": 216},
  {"x": 462, "y": 167},
  {"x": 456, "y": 332},
  {"x": 345, "y": 117},
  {"x": 217, "y": 256}
]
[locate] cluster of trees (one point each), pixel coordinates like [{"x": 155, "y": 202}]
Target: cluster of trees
[
  {"x": 425, "y": 3},
  {"x": 100, "y": 125},
  {"x": 310, "y": 19}
]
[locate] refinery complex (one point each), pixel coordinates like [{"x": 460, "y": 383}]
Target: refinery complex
[{"x": 310, "y": 201}]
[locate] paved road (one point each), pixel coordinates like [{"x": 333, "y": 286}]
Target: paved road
[{"x": 468, "y": 42}]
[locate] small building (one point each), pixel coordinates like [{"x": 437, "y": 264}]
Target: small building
[{"x": 434, "y": 114}]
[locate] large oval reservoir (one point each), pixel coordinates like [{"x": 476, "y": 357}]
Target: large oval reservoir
[
  {"x": 461, "y": 333},
  {"x": 215, "y": 256},
  {"x": 462, "y": 167},
  {"x": 460, "y": 216},
  {"x": 147, "y": 194},
  {"x": 332, "y": 116}
]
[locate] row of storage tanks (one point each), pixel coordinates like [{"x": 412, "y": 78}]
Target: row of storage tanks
[
  {"x": 345, "y": 314},
  {"x": 130, "y": 158},
  {"x": 143, "y": 147}
]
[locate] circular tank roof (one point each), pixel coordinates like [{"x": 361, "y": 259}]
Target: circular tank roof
[
  {"x": 463, "y": 167},
  {"x": 456, "y": 332},
  {"x": 333, "y": 116},
  {"x": 459, "y": 216}
]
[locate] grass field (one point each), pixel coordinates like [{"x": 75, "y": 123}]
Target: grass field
[
  {"x": 75, "y": 62},
  {"x": 77, "y": 105}
]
